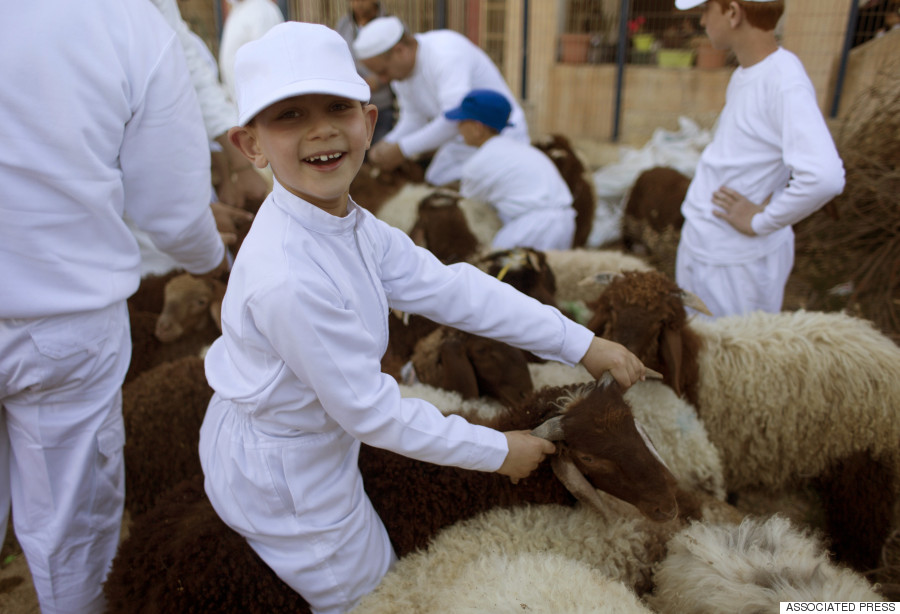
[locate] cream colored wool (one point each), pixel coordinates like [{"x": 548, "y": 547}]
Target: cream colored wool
[
  {"x": 535, "y": 582},
  {"x": 620, "y": 546},
  {"x": 749, "y": 569},
  {"x": 783, "y": 395},
  {"x": 572, "y": 266}
]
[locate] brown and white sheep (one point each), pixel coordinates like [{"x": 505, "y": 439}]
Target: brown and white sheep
[
  {"x": 473, "y": 366},
  {"x": 577, "y": 175},
  {"x": 372, "y": 187},
  {"x": 793, "y": 397},
  {"x": 203, "y": 566},
  {"x": 441, "y": 227}
]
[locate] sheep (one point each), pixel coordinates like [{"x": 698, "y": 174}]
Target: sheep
[
  {"x": 787, "y": 398},
  {"x": 162, "y": 410},
  {"x": 652, "y": 220},
  {"x": 441, "y": 227},
  {"x": 190, "y": 303},
  {"x": 495, "y": 583},
  {"x": 571, "y": 267},
  {"x": 203, "y": 566},
  {"x": 473, "y": 366},
  {"x": 750, "y": 567},
  {"x": 402, "y": 211},
  {"x": 577, "y": 175},
  {"x": 150, "y": 294},
  {"x": 372, "y": 187},
  {"x": 523, "y": 268},
  {"x": 412, "y": 497}
]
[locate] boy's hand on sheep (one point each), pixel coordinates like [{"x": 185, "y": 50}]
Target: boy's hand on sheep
[
  {"x": 605, "y": 355},
  {"x": 526, "y": 452}
]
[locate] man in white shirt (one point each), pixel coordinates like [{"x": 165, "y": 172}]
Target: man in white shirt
[
  {"x": 89, "y": 133},
  {"x": 430, "y": 74}
]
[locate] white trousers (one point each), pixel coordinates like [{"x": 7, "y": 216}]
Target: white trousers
[
  {"x": 733, "y": 289},
  {"x": 329, "y": 546},
  {"x": 541, "y": 229},
  {"x": 61, "y": 459}
]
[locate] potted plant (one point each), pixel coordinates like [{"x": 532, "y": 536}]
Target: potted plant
[{"x": 640, "y": 40}]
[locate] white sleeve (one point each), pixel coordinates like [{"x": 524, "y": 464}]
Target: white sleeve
[
  {"x": 327, "y": 347},
  {"x": 817, "y": 172},
  {"x": 219, "y": 114},
  {"x": 166, "y": 168}
]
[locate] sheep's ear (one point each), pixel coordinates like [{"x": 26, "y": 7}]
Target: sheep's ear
[
  {"x": 693, "y": 301},
  {"x": 533, "y": 260},
  {"x": 602, "y": 279},
  {"x": 551, "y": 430}
]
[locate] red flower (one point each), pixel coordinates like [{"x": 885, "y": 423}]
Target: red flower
[{"x": 635, "y": 25}]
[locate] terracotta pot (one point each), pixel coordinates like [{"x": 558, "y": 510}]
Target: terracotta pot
[
  {"x": 710, "y": 57},
  {"x": 574, "y": 47}
]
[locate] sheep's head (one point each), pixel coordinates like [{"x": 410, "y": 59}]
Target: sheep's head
[
  {"x": 442, "y": 228},
  {"x": 645, "y": 312},
  {"x": 188, "y": 305},
  {"x": 602, "y": 447},
  {"x": 525, "y": 269}
]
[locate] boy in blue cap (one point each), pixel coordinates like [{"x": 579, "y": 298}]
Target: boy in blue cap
[
  {"x": 297, "y": 371},
  {"x": 518, "y": 180}
]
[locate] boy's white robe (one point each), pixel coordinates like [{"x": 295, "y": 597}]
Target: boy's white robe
[{"x": 298, "y": 384}]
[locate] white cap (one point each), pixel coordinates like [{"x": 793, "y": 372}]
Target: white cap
[
  {"x": 377, "y": 36},
  {"x": 291, "y": 59},
  {"x": 689, "y": 4}
]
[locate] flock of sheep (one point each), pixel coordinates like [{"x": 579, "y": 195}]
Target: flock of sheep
[{"x": 644, "y": 509}]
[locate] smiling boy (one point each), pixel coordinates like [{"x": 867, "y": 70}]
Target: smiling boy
[{"x": 297, "y": 374}]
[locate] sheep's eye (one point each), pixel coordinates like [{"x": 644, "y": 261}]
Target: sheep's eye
[
  {"x": 586, "y": 458},
  {"x": 201, "y": 302}
]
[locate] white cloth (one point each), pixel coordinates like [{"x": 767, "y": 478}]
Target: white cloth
[
  {"x": 130, "y": 144},
  {"x": 219, "y": 113},
  {"x": 448, "y": 66},
  {"x": 298, "y": 384},
  {"x": 90, "y": 133},
  {"x": 523, "y": 185},
  {"x": 771, "y": 139},
  {"x": 247, "y": 21},
  {"x": 734, "y": 289}
]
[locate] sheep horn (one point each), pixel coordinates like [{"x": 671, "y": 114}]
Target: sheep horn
[
  {"x": 652, "y": 374},
  {"x": 551, "y": 430},
  {"x": 602, "y": 279},
  {"x": 567, "y": 473},
  {"x": 693, "y": 301}
]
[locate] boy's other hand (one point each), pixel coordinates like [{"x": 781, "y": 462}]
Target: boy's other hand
[
  {"x": 526, "y": 452},
  {"x": 735, "y": 209}
]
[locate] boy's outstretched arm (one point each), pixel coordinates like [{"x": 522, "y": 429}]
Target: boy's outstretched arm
[
  {"x": 526, "y": 452},
  {"x": 605, "y": 355}
]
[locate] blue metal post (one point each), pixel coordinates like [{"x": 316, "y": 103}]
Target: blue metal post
[
  {"x": 524, "y": 92},
  {"x": 621, "y": 51},
  {"x": 845, "y": 52},
  {"x": 440, "y": 18}
]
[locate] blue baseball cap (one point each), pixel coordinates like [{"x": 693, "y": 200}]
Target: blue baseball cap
[{"x": 486, "y": 106}]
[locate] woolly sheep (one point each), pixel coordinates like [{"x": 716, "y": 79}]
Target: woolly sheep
[
  {"x": 184, "y": 572},
  {"x": 472, "y": 366},
  {"x": 785, "y": 397},
  {"x": 147, "y": 351},
  {"x": 751, "y": 567},
  {"x": 441, "y": 227},
  {"x": 372, "y": 187},
  {"x": 578, "y": 176},
  {"x": 162, "y": 410},
  {"x": 496, "y": 583},
  {"x": 190, "y": 303},
  {"x": 571, "y": 267}
]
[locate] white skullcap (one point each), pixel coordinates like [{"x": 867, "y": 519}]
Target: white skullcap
[
  {"x": 377, "y": 36},
  {"x": 292, "y": 59},
  {"x": 689, "y": 4}
]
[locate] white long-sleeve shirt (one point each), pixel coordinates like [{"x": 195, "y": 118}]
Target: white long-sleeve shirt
[
  {"x": 771, "y": 139},
  {"x": 515, "y": 178},
  {"x": 247, "y": 21},
  {"x": 219, "y": 113},
  {"x": 448, "y": 66},
  {"x": 89, "y": 133},
  {"x": 305, "y": 325}
]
